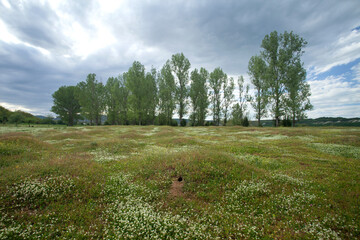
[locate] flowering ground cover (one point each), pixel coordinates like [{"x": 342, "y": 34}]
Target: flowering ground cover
[{"x": 121, "y": 182}]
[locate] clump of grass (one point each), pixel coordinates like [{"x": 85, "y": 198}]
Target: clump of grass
[
  {"x": 33, "y": 193},
  {"x": 338, "y": 150},
  {"x": 94, "y": 145}
]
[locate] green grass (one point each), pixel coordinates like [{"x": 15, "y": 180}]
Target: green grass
[{"x": 119, "y": 182}]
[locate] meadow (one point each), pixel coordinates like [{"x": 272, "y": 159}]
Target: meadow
[{"x": 121, "y": 182}]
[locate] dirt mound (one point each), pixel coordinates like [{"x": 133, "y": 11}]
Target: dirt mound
[{"x": 176, "y": 189}]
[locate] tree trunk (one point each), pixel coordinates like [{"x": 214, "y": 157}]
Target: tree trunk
[
  {"x": 293, "y": 121},
  {"x": 276, "y": 121},
  {"x": 70, "y": 121}
]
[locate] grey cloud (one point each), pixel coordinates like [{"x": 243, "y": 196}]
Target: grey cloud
[{"x": 210, "y": 33}]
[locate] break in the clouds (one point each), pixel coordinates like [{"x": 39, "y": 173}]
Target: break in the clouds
[{"x": 47, "y": 44}]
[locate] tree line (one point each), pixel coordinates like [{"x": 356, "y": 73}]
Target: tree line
[{"x": 152, "y": 97}]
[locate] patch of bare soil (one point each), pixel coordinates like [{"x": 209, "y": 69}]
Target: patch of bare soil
[{"x": 176, "y": 189}]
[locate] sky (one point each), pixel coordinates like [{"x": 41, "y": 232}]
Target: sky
[{"x": 48, "y": 44}]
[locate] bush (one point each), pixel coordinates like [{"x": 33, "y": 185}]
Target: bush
[
  {"x": 245, "y": 122},
  {"x": 286, "y": 122},
  {"x": 174, "y": 123},
  {"x": 183, "y": 122}
]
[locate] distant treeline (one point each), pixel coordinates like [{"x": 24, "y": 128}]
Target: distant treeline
[
  {"x": 7, "y": 116},
  {"x": 140, "y": 97},
  {"x": 317, "y": 122}
]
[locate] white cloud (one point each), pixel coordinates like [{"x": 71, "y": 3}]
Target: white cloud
[
  {"x": 345, "y": 49},
  {"x": 7, "y": 37},
  {"x": 356, "y": 72},
  {"x": 333, "y": 96},
  {"x": 6, "y": 3},
  {"x": 14, "y": 107}
]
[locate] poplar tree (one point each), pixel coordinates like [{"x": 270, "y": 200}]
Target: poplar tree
[
  {"x": 180, "y": 66},
  {"x": 280, "y": 52},
  {"x": 217, "y": 77},
  {"x": 228, "y": 91},
  {"x": 112, "y": 99},
  {"x": 91, "y": 98},
  {"x": 167, "y": 92},
  {"x": 257, "y": 71},
  {"x": 150, "y": 97},
  {"x": 298, "y": 92},
  {"x": 123, "y": 98},
  {"x": 199, "y": 96},
  {"x": 135, "y": 82},
  {"x": 239, "y": 109}
]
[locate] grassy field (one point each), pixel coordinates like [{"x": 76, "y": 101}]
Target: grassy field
[{"x": 120, "y": 182}]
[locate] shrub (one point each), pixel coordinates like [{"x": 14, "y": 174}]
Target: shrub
[
  {"x": 183, "y": 122},
  {"x": 286, "y": 122},
  {"x": 245, "y": 122},
  {"x": 174, "y": 123}
]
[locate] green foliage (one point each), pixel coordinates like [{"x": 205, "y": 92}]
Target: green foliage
[
  {"x": 16, "y": 117},
  {"x": 167, "y": 94},
  {"x": 199, "y": 96},
  {"x": 151, "y": 96},
  {"x": 174, "y": 123},
  {"x": 66, "y": 104},
  {"x": 286, "y": 122},
  {"x": 180, "y": 66},
  {"x": 4, "y": 115},
  {"x": 245, "y": 122},
  {"x": 142, "y": 93},
  {"x": 257, "y": 72},
  {"x": 91, "y": 96},
  {"x": 228, "y": 96},
  {"x": 237, "y": 114},
  {"x": 281, "y": 53},
  {"x": 48, "y": 120},
  {"x": 217, "y": 78},
  {"x": 183, "y": 123},
  {"x": 113, "y": 100}
]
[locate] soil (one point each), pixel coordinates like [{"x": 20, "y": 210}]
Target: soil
[{"x": 176, "y": 189}]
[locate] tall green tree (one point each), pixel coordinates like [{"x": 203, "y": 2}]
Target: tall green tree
[
  {"x": 92, "y": 99},
  {"x": 279, "y": 52},
  {"x": 228, "y": 91},
  {"x": 257, "y": 73},
  {"x": 112, "y": 100},
  {"x": 167, "y": 91},
  {"x": 135, "y": 82},
  {"x": 151, "y": 96},
  {"x": 199, "y": 96},
  {"x": 180, "y": 66},
  {"x": 217, "y": 77},
  {"x": 123, "y": 100},
  {"x": 297, "y": 100},
  {"x": 237, "y": 114},
  {"x": 66, "y": 104}
]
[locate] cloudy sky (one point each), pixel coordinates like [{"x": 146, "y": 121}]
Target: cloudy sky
[{"x": 48, "y": 44}]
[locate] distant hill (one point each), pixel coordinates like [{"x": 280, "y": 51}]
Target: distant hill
[
  {"x": 319, "y": 122},
  {"x": 5, "y": 115},
  {"x": 40, "y": 116}
]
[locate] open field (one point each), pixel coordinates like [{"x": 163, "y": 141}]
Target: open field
[{"x": 121, "y": 183}]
